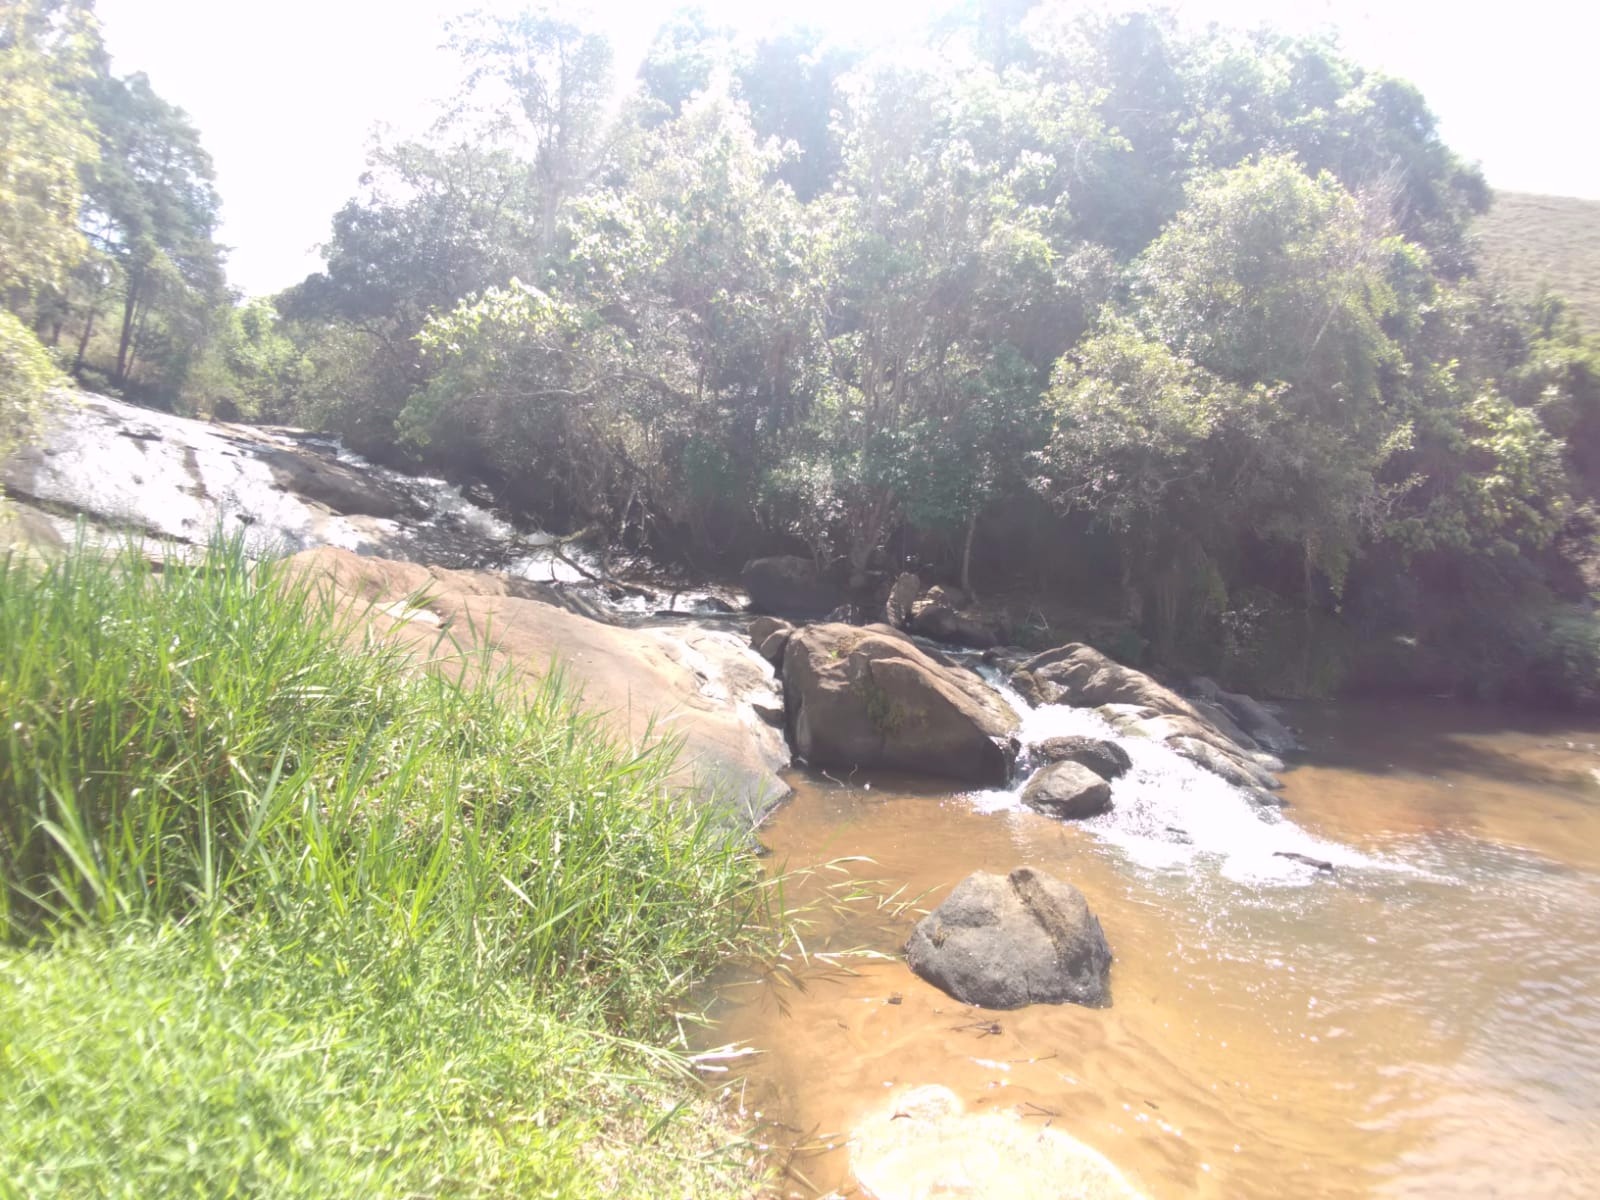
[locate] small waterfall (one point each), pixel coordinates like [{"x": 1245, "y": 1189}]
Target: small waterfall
[{"x": 1167, "y": 812}]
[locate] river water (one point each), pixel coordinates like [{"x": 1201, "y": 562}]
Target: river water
[{"x": 1424, "y": 1021}]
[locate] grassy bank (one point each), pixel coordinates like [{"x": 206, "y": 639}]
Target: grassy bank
[{"x": 283, "y": 917}]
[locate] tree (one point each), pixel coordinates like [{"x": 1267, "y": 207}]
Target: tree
[
  {"x": 947, "y": 262},
  {"x": 46, "y": 142},
  {"x": 151, "y": 209},
  {"x": 543, "y": 82},
  {"x": 668, "y": 354}
]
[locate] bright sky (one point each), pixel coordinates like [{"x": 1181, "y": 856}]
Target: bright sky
[{"x": 286, "y": 95}]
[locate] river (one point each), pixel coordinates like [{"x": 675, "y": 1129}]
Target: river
[{"x": 1424, "y": 1021}]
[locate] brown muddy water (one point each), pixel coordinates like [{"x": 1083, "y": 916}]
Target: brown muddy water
[{"x": 1425, "y": 1022}]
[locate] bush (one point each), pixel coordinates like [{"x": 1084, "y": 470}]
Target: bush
[
  {"x": 26, "y": 376},
  {"x": 1565, "y": 660}
]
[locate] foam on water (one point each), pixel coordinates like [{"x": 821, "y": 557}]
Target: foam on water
[{"x": 1167, "y": 812}]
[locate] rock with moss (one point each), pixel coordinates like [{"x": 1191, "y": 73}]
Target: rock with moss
[{"x": 869, "y": 698}]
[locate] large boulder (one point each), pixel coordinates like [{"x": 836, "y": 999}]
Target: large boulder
[
  {"x": 1080, "y": 675},
  {"x": 1005, "y": 941},
  {"x": 870, "y": 698},
  {"x": 789, "y": 586},
  {"x": 1068, "y": 790},
  {"x": 944, "y": 615},
  {"x": 1105, "y": 758}
]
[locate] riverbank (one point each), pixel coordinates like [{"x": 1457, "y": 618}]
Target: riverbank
[{"x": 283, "y": 915}]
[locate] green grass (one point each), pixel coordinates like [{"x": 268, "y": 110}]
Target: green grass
[
  {"x": 284, "y": 917},
  {"x": 1545, "y": 241}
]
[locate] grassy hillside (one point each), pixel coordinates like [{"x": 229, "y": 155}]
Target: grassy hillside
[{"x": 1549, "y": 240}]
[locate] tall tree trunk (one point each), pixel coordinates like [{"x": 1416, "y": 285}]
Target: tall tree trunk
[
  {"x": 966, "y": 557},
  {"x": 83, "y": 342},
  {"x": 130, "y": 308}
]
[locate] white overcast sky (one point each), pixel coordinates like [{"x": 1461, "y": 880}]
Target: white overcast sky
[{"x": 286, "y": 95}]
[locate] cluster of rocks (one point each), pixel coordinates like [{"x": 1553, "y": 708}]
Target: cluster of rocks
[
  {"x": 1225, "y": 733},
  {"x": 872, "y": 697}
]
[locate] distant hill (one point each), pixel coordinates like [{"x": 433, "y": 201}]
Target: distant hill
[{"x": 1553, "y": 240}]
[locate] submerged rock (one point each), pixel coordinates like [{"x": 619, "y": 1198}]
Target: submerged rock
[
  {"x": 1105, "y": 758},
  {"x": 1068, "y": 790},
  {"x": 870, "y": 698},
  {"x": 1005, "y": 941},
  {"x": 924, "y": 1145}
]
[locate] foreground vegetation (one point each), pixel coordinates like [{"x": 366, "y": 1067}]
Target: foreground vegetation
[{"x": 283, "y": 917}]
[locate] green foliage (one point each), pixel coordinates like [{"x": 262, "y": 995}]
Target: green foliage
[
  {"x": 1211, "y": 293},
  {"x": 26, "y": 376},
  {"x": 251, "y": 368},
  {"x": 428, "y": 917},
  {"x": 45, "y": 141}
]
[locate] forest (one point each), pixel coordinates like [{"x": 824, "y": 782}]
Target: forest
[{"x": 1184, "y": 329}]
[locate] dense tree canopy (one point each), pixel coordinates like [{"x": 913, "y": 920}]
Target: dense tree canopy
[{"x": 1178, "y": 326}]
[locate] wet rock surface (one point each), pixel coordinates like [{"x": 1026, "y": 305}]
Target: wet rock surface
[
  {"x": 1005, "y": 941},
  {"x": 1105, "y": 758},
  {"x": 1206, "y": 730},
  {"x": 870, "y": 698},
  {"x": 130, "y": 471},
  {"x": 1068, "y": 790}
]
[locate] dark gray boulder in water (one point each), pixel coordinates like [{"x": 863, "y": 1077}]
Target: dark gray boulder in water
[
  {"x": 1005, "y": 941},
  {"x": 1069, "y": 790},
  {"x": 1105, "y": 758},
  {"x": 789, "y": 586}
]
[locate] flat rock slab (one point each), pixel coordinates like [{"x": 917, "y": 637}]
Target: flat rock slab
[
  {"x": 925, "y": 1145},
  {"x": 701, "y": 686},
  {"x": 1005, "y": 941}
]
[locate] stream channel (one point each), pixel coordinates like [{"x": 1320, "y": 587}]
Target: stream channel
[{"x": 1423, "y": 1021}]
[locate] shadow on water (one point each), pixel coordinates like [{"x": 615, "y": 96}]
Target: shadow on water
[{"x": 1439, "y": 739}]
